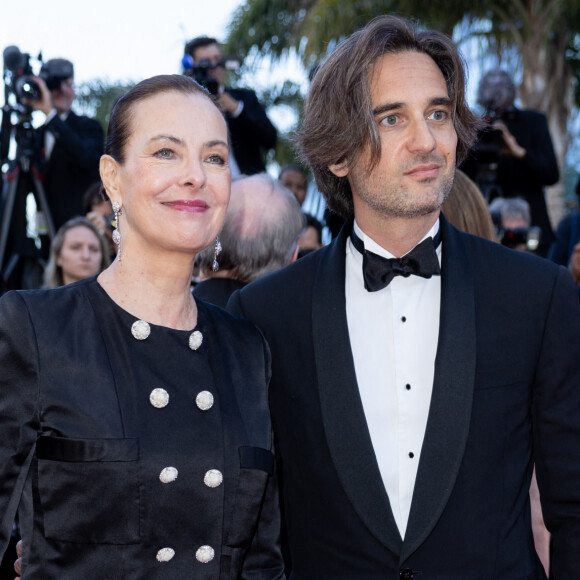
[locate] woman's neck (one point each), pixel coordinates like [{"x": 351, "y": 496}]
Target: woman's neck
[{"x": 156, "y": 291}]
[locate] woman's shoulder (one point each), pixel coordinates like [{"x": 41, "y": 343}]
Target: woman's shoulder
[{"x": 46, "y": 300}]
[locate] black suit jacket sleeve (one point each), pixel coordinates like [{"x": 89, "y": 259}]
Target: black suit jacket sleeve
[
  {"x": 252, "y": 121},
  {"x": 556, "y": 408},
  {"x": 81, "y": 139},
  {"x": 18, "y": 406}
]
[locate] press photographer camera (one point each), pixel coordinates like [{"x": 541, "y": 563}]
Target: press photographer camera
[
  {"x": 511, "y": 219},
  {"x": 21, "y": 80},
  {"x": 55, "y": 161},
  {"x": 514, "y": 156},
  {"x": 251, "y": 131},
  {"x": 202, "y": 71}
]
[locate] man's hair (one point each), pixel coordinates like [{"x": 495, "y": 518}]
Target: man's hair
[
  {"x": 262, "y": 225},
  {"x": 338, "y": 121},
  {"x": 514, "y": 208},
  {"x": 496, "y": 90},
  {"x": 198, "y": 42}
]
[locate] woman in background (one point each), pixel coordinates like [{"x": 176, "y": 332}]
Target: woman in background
[{"x": 77, "y": 251}]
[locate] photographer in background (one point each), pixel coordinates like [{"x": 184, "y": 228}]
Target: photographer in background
[
  {"x": 512, "y": 218},
  {"x": 68, "y": 146},
  {"x": 250, "y": 129},
  {"x": 515, "y": 154}
]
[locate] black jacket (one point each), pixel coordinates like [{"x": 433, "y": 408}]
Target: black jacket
[
  {"x": 505, "y": 394},
  {"x": 252, "y": 133}
]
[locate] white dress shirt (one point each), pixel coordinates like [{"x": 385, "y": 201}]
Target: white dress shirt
[{"x": 393, "y": 335}]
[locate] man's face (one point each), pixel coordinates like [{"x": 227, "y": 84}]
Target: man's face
[
  {"x": 63, "y": 97},
  {"x": 212, "y": 53},
  {"x": 413, "y": 113}
]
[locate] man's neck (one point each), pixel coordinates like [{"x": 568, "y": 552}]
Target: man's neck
[{"x": 397, "y": 235}]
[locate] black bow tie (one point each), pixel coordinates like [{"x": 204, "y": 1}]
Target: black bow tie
[{"x": 378, "y": 271}]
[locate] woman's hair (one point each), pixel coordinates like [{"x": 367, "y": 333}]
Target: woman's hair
[
  {"x": 53, "y": 275},
  {"x": 466, "y": 209},
  {"x": 119, "y": 129},
  {"x": 339, "y": 124}
]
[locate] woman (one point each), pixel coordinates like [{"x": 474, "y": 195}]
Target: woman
[
  {"x": 134, "y": 419},
  {"x": 77, "y": 251}
]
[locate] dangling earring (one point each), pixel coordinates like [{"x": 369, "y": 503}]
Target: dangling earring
[
  {"x": 116, "y": 232},
  {"x": 216, "y": 252}
]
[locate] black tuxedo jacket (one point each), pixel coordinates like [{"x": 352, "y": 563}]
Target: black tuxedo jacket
[
  {"x": 251, "y": 132},
  {"x": 73, "y": 164},
  {"x": 506, "y": 394}
]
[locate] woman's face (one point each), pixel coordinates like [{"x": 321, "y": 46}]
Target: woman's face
[
  {"x": 174, "y": 184},
  {"x": 80, "y": 256}
]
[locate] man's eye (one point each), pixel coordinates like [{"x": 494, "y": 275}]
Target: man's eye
[
  {"x": 390, "y": 120},
  {"x": 439, "y": 115}
]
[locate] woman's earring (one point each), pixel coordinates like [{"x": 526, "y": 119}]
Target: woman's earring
[
  {"x": 216, "y": 252},
  {"x": 116, "y": 232}
]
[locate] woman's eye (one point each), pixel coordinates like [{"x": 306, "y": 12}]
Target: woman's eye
[
  {"x": 216, "y": 159},
  {"x": 164, "y": 153}
]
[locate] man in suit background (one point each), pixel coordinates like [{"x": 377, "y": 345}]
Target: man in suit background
[
  {"x": 69, "y": 146},
  {"x": 251, "y": 131},
  {"x": 412, "y": 391},
  {"x": 259, "y": 236},
  {"x": 515, "y": 156}
]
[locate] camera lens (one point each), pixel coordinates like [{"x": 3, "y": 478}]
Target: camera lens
[{"x": 27, "y": 88}]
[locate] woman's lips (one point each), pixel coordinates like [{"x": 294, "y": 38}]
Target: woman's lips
[{"x": 187, "y": 205}]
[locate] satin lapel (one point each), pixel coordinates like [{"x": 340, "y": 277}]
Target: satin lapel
[
  {"x": 451, "y": 401},
  {"x": 342, "y": 412}
]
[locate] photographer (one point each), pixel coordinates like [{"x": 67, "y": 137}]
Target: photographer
[
  {"x": 68, "y": 146},
  {"x": 249, "y": 127},
  {"x": 515, "y": 153}
]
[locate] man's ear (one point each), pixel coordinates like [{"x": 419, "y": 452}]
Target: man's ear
[
  {"x": 109, "y": 169},
  {"x": 339, "y": 169}
]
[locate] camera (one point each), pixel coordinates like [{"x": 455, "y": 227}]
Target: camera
[
  {"x": 201, "y": 72},
  {"x": 20, "y": 81},
  {"x": 18, "y": 74},
  {"x": 528, "y": 237}
]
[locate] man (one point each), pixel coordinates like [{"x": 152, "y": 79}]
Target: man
[
  {"x": 259, "y": 236},
  {"x": 408, "y": 418},
  {"x": 68, "y": 146},
  {"x": 251, "y": 131},
  {"x": 294, "y": 178},
  {"x": 518, "y": 152}
]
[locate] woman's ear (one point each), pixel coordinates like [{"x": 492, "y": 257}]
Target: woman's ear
[
  {"x": 339, "y": 169},
  {"x": 109, "y": 170}
]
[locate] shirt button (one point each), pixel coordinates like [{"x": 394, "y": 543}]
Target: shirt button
[
  {"x": 408, "y": 387},
  {"x": 204, "y": 400},
  {"x": 204, "y": 554},
  {"x": 404, "y": 318},
  {"x": 168, "y": 474},
  {"x": 159, "y": 398},
  {"x": 411, "y": 454},
  {"x": 165, "y": 554},
  {"x": 406, "y": 574},
  {"x": 213, "y": 478}
]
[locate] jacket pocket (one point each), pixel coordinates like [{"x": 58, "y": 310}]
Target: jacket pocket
[
  {"x": 256, "y": 466},
  {"x": 89, "y": 489}
]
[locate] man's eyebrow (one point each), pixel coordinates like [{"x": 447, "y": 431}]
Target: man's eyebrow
[{"x": 386, "y": 107}]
